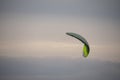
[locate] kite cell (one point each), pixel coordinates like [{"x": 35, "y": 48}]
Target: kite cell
[{"x": 86, "y": 48}]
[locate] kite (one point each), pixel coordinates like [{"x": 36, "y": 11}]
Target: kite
[{"x": 86, "y": 48}]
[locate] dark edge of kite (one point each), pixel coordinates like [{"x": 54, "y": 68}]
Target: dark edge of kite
[{"x": 78, "y": 38}]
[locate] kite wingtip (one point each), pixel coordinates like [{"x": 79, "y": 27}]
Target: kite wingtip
[{"x": 68, "y": 33}]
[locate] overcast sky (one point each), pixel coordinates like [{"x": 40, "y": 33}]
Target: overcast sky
[
  {"x": 33, "y": 40},
  {"x": 37, "y": 28},
  {"x": 57, "y": 69}
]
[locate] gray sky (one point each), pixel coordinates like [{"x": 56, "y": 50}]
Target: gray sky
[
  {"x": 57, "y": 69},
  {"x": 37, "y": 28},
  {"x": 33, "y": 40}
]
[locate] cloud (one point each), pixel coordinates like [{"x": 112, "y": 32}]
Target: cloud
[
  {"x": 52, "y": 68},
  {"x": 108, "y": 8},
  {"x": 30, "y": 28},
  {"x": 36, "y": 36}
]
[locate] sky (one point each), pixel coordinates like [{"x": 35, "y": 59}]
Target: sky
[{"x": 35, "y": 29}]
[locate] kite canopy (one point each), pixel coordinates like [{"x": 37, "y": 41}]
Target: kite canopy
[{"x": 86, "y": 48}]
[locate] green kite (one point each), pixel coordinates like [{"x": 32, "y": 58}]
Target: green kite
[{"x": 86, "y": 48}]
